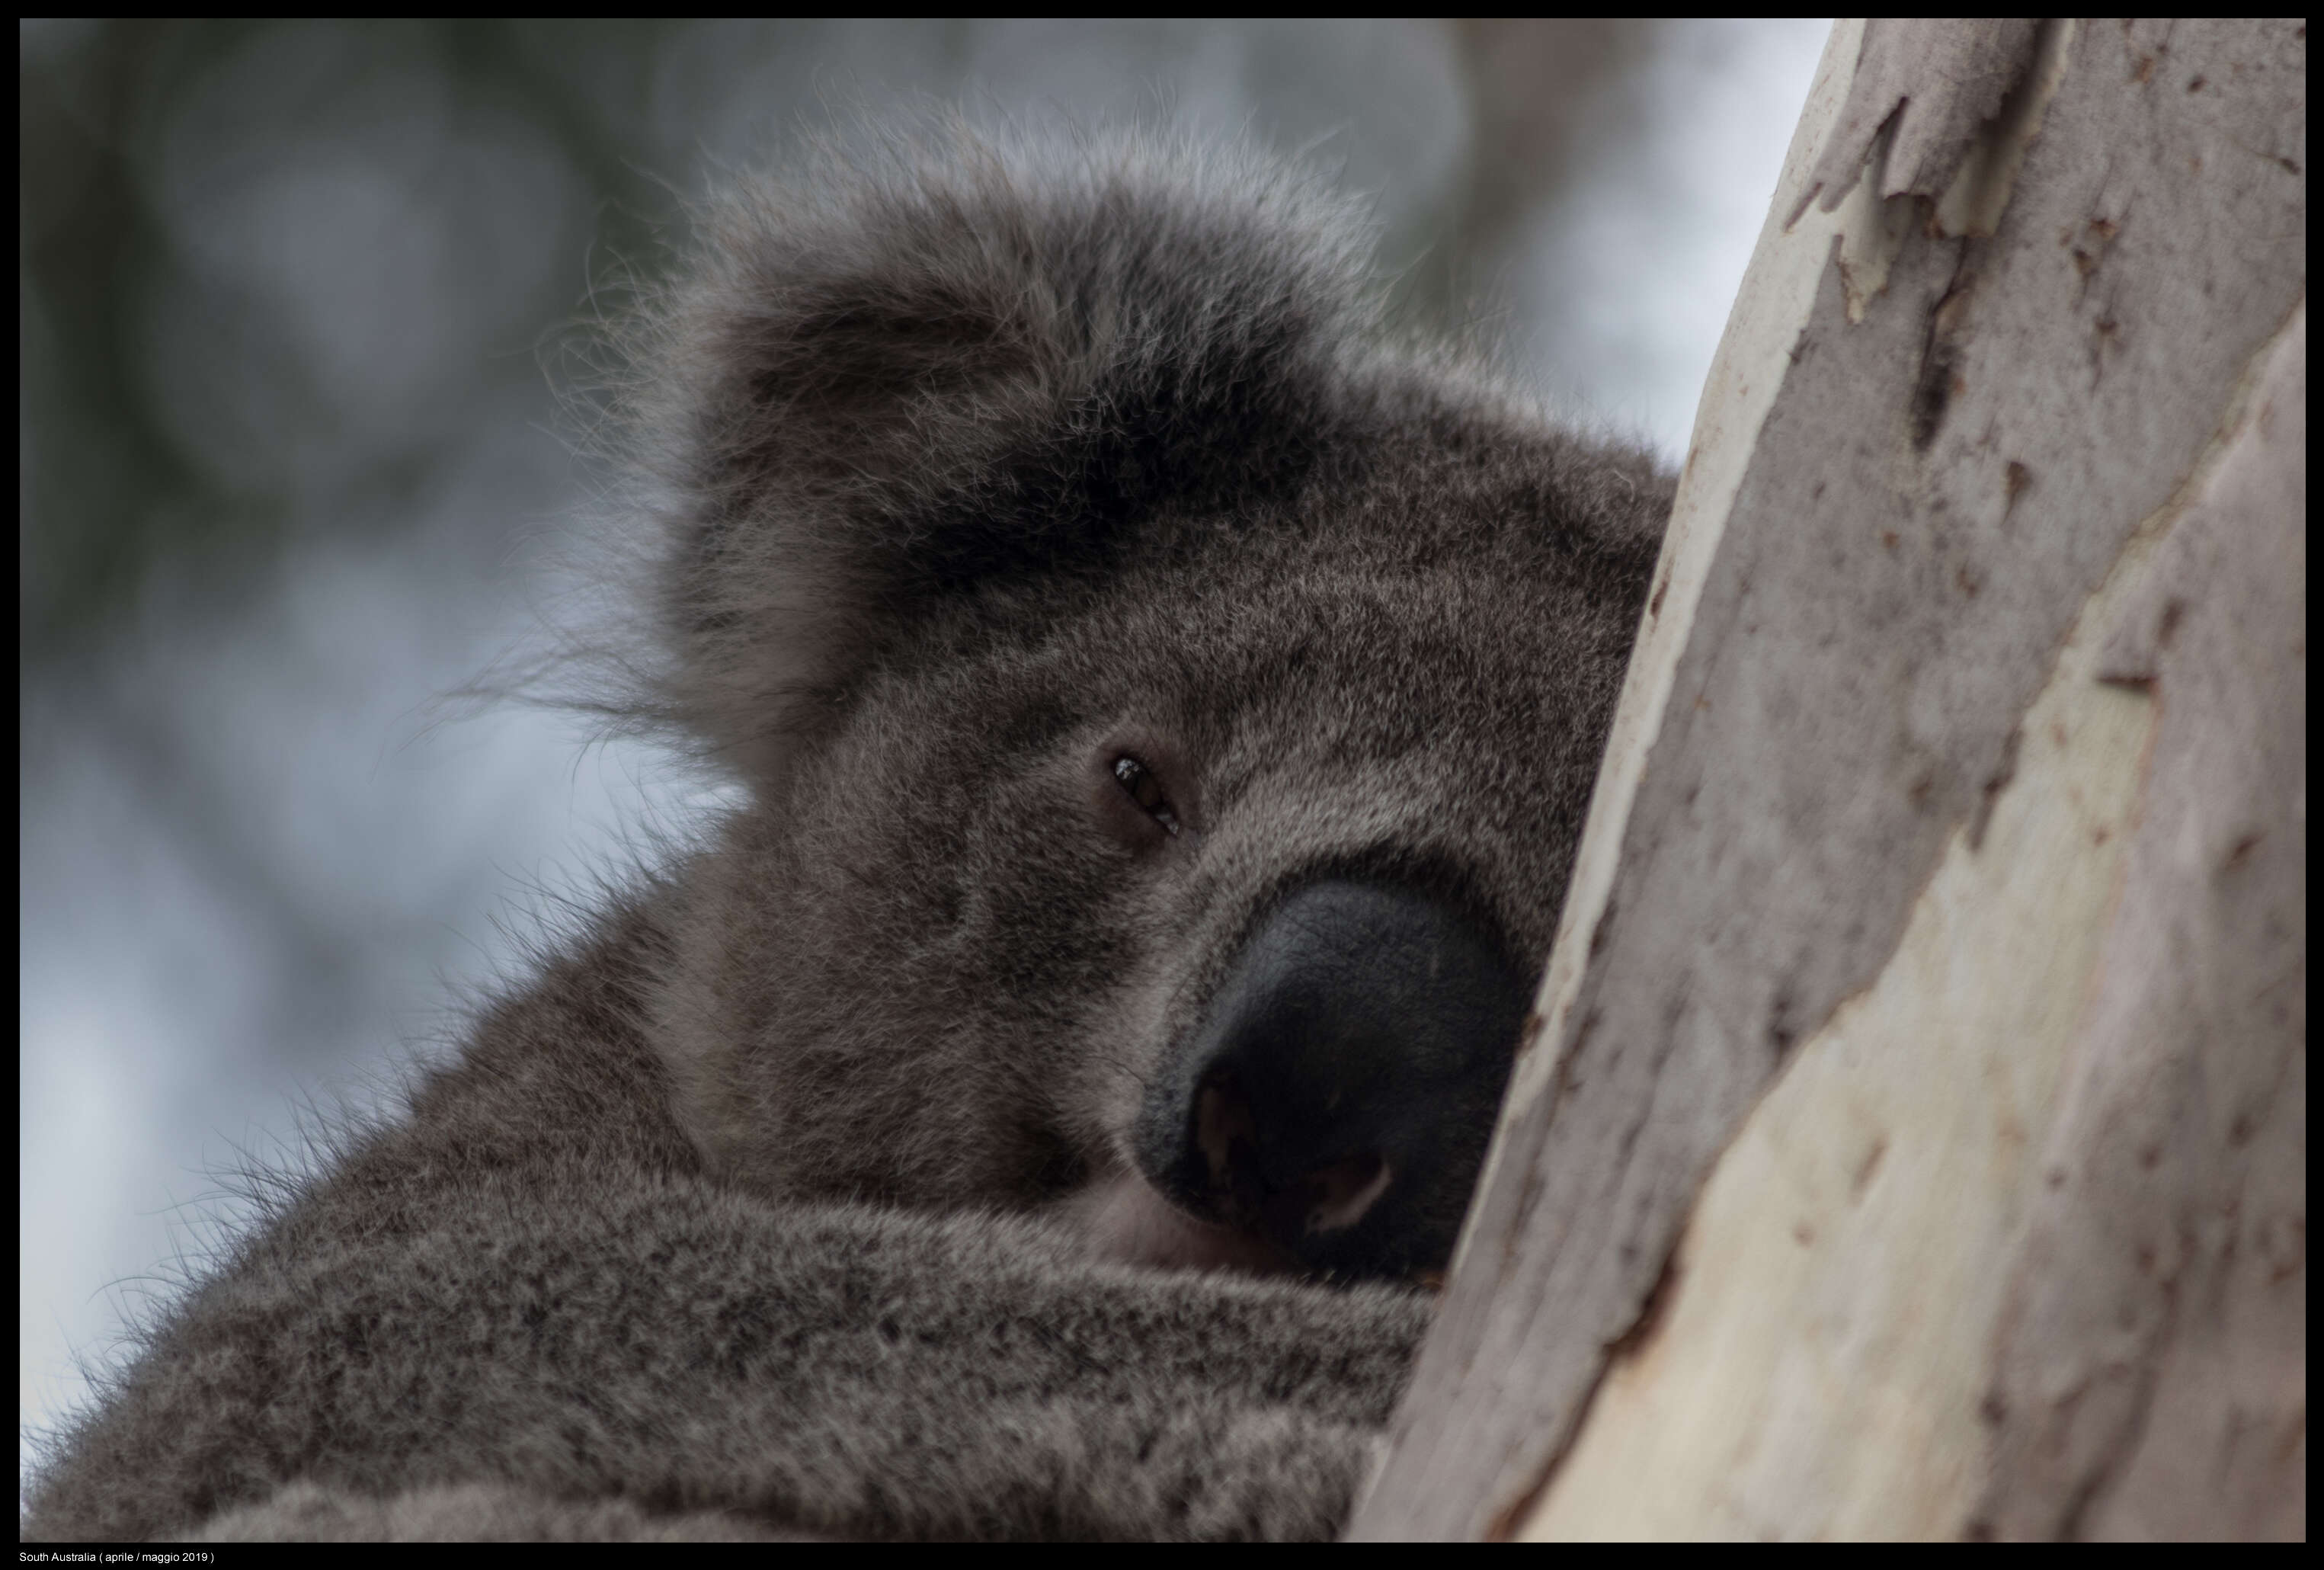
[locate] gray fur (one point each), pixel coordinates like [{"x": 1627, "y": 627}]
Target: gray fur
[{"x": 799, "y": 1196}]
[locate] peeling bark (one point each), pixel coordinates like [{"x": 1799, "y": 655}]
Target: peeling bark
[{"x": 1876, "y": 926}]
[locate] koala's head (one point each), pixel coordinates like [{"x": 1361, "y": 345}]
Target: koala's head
[{"x": 1168, "y": 706}]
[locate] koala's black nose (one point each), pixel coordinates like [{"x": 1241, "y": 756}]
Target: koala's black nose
[{"x": 1339, "y": 1093}]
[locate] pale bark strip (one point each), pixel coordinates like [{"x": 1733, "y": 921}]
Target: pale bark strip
[
  {"x": 1818, "y": 1365},
  {"x": 1824, "y": 1365},
  {"x": 1956, "y": 457},
  {"x": 2152, "y": 1377}
]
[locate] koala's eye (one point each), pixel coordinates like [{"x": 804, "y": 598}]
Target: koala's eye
[{"x": 1145, "y": 790}]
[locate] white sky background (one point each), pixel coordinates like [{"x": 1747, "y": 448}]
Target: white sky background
[{"x": 156, "y": 1043}]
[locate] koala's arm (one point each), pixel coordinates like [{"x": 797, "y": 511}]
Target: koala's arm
[{"x": 531, "y": 1292}]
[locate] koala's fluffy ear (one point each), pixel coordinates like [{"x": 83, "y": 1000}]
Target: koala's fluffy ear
[{"x": 952, "y": 365}]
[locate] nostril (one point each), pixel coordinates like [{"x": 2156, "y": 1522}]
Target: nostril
[
  {"x": 1228, "y": 1139},
  {"x": 1237, "y": 1189},
  {"x": 1329, "y": 1199},
  {"x": 1221, "y": 1123}
]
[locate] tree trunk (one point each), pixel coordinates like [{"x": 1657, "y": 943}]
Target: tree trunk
[{"x": 1911, "y": 1138}]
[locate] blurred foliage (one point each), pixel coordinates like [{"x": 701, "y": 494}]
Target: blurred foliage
[
  {"x": 269, "y": 270},
  {"x": 111, "y": 482}
]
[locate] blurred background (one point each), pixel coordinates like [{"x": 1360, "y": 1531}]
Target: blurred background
[{"x": 292, "y": 300}]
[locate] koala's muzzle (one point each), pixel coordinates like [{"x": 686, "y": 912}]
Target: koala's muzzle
[{"x": 1339, "y": 1093}]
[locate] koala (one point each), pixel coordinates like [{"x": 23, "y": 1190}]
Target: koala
[{"x": 1164, "y": 698}]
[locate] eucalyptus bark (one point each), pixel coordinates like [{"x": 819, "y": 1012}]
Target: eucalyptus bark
[{"x": 1910, "y": 1137}]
